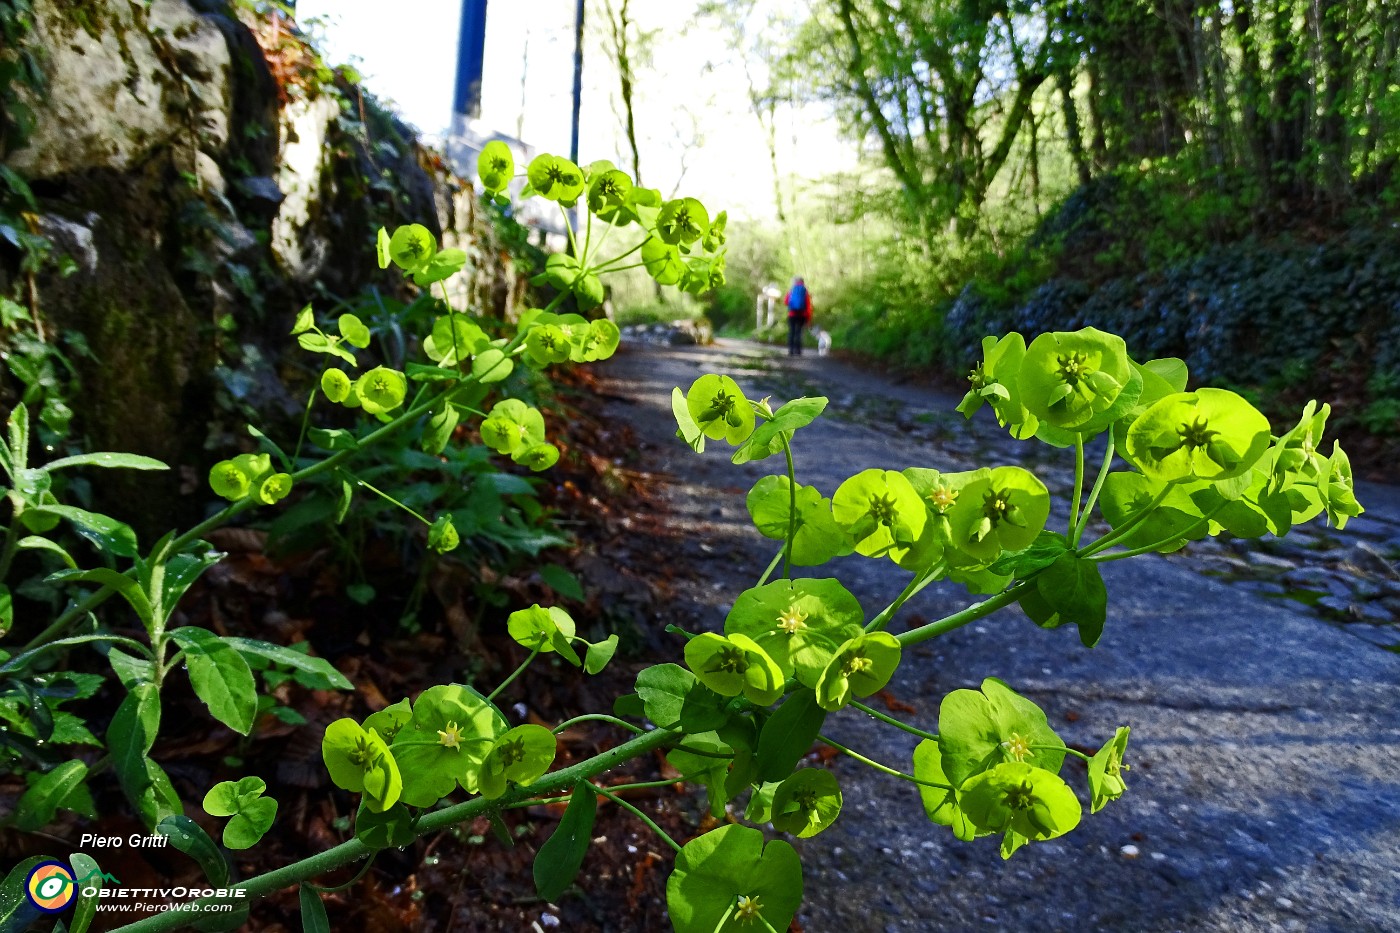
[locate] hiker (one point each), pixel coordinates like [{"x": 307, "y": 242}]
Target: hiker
[{"x": 799, "y": 305}]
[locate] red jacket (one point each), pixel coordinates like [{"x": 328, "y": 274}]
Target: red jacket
[{"x": 806, "y": 312}]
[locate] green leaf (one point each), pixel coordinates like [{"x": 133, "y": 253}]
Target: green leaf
[
  {"x": 17, "y": 426},
  {"x": 817, "y": 537},
  {"x": 788, "y": 735},
  {"x": 35, "y": 543},
  {"x": 1106, "y": 771},
  {"x": 306, "y": 319},
  {"x": 520, "y": 755},
  {"x": 561, "y": 581},
  {"x": 561, "y": 856},
  {"x": 1073, "y": 590},
  {"x": 190, "y": 838},
  {"x": 17, "y": 911},
  {"x": 129, "y": 738},
  {"x": 941, "y": 803},
  {"x": 252, "y": 647},
  {"x": 729, "y": 871},
  {"x": 769, "y": 437},
  {"x": 127, "y": 587},
  {"x": 41, "y": 801},
  {"x": 492, "y": 365},
  {"x": 7, "y": 610},
  {"x": 687, "y": 430},
  {"x": 220, "y": 677},
  {"x": 254, "y": 819},
  {"x": 85, "y": 910},
  {"x": 109, "y": 460},
  {"x": 600, "y": 654},
  {"x": 392, "y": 828},
  {"x": 320, "y": 343},
  {"x": 333, "y": 438},
  {"x": 313, "y": 911},
  {"x": 438, "y": 429},
  {"x": 354, "y": 331},
  {"x": 671, "y": 695},
  {"x": 105, "y": 532}
]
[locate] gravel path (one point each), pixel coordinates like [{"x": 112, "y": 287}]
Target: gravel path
[{"x": 1265, "y": 785}]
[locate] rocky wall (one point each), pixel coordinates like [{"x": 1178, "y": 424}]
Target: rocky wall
[{"x": 201, "y": 174}]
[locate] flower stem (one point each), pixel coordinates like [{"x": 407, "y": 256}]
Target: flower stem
[
  {"x": 1093, "y": 493},
  {"x": 599, "y": 717},
  {"x": 772, "y": 565},
  {"x": 879, "y": 767},
  {"x": 971, "y": 614},
  {"x": 1078, "y": 484},
  {"x": 514, "y": 674},
  {"x": 792, "y": 511},
  {"x": 898, "y": 724},
  {"x": 916, "y": 584},
  {"x": 651, "y": 824}
]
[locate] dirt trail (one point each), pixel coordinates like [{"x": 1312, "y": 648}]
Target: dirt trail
[{"x": 1265, "y": 790}]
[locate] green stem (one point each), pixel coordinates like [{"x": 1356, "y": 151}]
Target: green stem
[
  {"x": 879, "y": 767},
  {"x": 1078, "y": 484},
  {"x": 1093, "y": 493},
  {"x": 364, "y": 870},
  {"x": 916, "y": 584},
  {"x": 353, "y": 849},
  {"x": 651, "y": 824},
  {"x": 569, "y": 226},
  {"x": 1154, "y": 546},
  {"x": 619, "y": 257},
  {"x": 514, "y": 674},
  {"x": 388, "y": 498},
  {"x": 599, "y": 717},
  {"x": 869, "y": 711},
  {"x": 633, "y": 265},
  {"x": 615, "y": 788},
  {"x": 1062, "y": 748},
  {"x": 958, "y": 619},
  {"x": 1123, "y": 530},
  {"x": 792, "y": 511},
  {"x": 7, "y": 554},
  {"x": 305, "y": 423},
  {"x": 772, "y": 565}
]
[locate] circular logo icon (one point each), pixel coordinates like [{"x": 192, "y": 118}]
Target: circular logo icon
[{"x": 50, "y": 886}]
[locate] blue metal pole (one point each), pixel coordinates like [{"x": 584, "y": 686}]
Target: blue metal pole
[
  {"x": 578, "y": 81},
  {"x": 471, "y": 56}
]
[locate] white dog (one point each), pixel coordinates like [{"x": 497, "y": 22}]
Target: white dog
[{"x": 823, "y": 340}]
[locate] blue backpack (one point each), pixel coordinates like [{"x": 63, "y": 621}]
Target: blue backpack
[{"x": 797, "y": 298}]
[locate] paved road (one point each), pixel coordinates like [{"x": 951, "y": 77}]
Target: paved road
[{"x": 1265, "y": 785}]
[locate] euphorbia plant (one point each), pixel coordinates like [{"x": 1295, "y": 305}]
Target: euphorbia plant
[{"x": 740, "y": 716}]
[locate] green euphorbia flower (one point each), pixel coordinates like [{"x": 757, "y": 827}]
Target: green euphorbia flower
[
  {"x": 1336, "y": 489},
  {"x": 512, "y": 425},
  {"x": 1209, "y": 434},
  {"x": 412, "y": 247},
  {"x": 274, "y": 488},
  {"x": 799, "y": 623},
  {"x": 682, "y": 221},
  {"x": 1106, "y": 771},
  {"x": 599, "y": 341},
  {"x": 608, "y": 192},
  {"x": 727, "y": 881},
  {"x": 359, "y": 761},
  {"x": 455, "y": 339},
  {"x": 817, "y": 538},
  {"x": 1297, "y": 455},
  {"x": 978, "y": 729},
  {"x": 381, "y": 390},
  {"x": 882, "y": 512},
  {"x": 719, "y": 408},
  {"x": 227, "y": 479},
  {"x": 388, "y": 721},
  {"x": 1070, "y": 379},
  {"x": 444, "y": 743},
  {"x": 806, "y": 802},
  {"x": 336, "y": 385},
  {"x": 734, "y": 665},
  {"x": 545, "y": 630},
  {"x": 1022, "y": 799},
  {"x": 443, "y": 536},
  {"x": 547, "y": 343},
  {"x": 996, "y": 381},
  {"x": 383, "y": 252},
  {"x": 556, "y": 179},
  {"x": 520, "y": 755},
  {"x": 714, "y": 237},
  {"x": 860, "y": 667},
  {"x": 537, "y": 457},
  {"x": 495, "y": 166},
  {"x": 1002, "y": 509}
]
